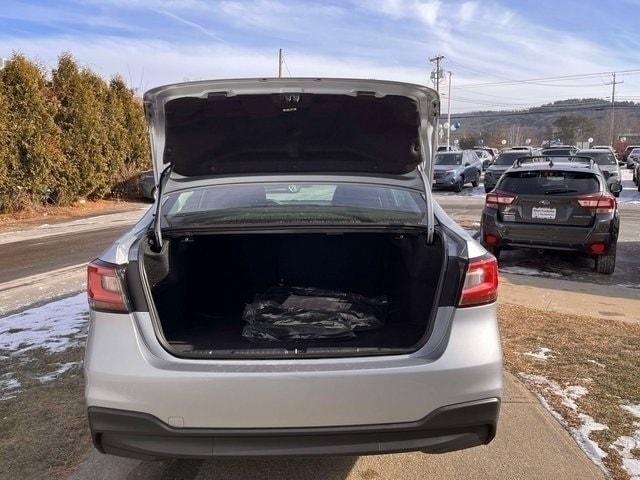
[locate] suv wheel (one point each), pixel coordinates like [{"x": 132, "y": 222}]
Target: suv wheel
[
  {"x": 476, "y": 181},
  {"x": 495, "y": 251},
  {"x": 607, "y": 263},
  {"x": 458, "y": 186}
]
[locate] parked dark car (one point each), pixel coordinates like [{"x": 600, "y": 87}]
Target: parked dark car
[
  {"x": 500, "y": 165},
  {"x": 147, "y": 185},
  {"x": 559, "y": 151},
  {"x": 609, "y": 167},
  {"x": 633, "y": 158},
  {"x": 486, "y": 156},
  {"x": 542, "y": 204},
  {"x": 624, "y": 156},
  {"x": 454, "y": 169}
]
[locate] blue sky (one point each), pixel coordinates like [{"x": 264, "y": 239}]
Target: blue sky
[{"x": 151, "y": 42}]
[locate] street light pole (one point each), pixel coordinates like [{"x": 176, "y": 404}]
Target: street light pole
[{"x": 449, "y": 114}]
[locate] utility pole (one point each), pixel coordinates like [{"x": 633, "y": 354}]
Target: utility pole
[
  {"x": 435, "y": 76},
  {"x": 613, "y": 108},
  {"x": 280, "y": 63},
  {"x": 449, "y": 114}
]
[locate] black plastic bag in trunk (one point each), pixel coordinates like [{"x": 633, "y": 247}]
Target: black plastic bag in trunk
[{"x": 291, "y": 313}]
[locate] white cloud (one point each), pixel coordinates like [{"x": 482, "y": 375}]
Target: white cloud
[
  {"x": 146, "y": 64},
  {"x": 428, "y": 11},
  {"x": 483, "y": 40},
  {"x": 467, "y": 11}
]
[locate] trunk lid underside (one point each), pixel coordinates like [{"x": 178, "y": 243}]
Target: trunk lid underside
[{"x": 238, "y": 127}]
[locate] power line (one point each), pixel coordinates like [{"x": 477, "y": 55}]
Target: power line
[
  {"x": 286, "y": 66},
  {"x": 547, "y": 79},
  {"x": 541, "y": 111}
]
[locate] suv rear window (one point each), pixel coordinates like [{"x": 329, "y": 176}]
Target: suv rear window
[
  {"x": 294, "y": 203},
  {"x": 549, "y": 182},
  {"x": 558, "y": 152},
  {"x": 449, "y": 158},
  {"x": 509, "y": 158},
  {"x": 601, "y": 158}
]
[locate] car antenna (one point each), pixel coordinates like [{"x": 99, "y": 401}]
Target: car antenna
[{"x": 157, "y": 230}]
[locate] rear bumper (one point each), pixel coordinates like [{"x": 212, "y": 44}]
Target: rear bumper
[
  {"x": 127, "y": 369},
  {"x": 144, "y": 436},
  {"x": 547, "y": 236},
  {"x": 445, "y": 182}
]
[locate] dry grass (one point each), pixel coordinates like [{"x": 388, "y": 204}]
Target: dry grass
[
  {"x": 37, "y": 214},
  {"x": 577, "y": 343},
  {"x": 43, "y": 430}
]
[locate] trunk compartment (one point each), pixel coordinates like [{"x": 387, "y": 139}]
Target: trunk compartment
[{"x": 204, "y": 288}]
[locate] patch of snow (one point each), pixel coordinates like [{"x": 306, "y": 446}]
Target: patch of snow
[
  {"x": 529, "y": 271},
  {"x": 632, "y": 409},
  {"x": 541, "y": 353},
  {"x": 581, "y": 435},
  {"x": 61, "y": 370},
  {"x": 568, "y": 396},
  {"x": 625, "y": 444},
  {"x": 55, "y": 326},
  {"x": 601, "y": 365},
  {"x": 9, "y": 386}
]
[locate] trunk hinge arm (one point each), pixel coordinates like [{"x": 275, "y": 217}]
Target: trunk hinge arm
[
  {"x": 428, "y": 202},
  {"x": 157, "y": 227}
]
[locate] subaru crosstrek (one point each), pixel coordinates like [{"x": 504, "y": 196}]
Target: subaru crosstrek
[
  {"x": 554, "y": 203},
  {"x": 294, "y": 290}
]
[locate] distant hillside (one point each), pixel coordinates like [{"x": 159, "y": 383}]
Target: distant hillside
[{"x": 537, "y": 123}]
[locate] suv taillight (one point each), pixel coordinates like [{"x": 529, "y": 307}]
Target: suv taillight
[
  {"x": 599, "y": 203},
  {"x": 480, "y": 282},
  {"x": 104, "y": 287},
  {"x": 495, "y": 199}
]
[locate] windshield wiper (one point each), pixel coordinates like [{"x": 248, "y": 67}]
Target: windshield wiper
[{"x": 157, "y": 229}]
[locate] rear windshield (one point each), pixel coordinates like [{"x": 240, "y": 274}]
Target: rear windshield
[
  {"x": 509, "y": 158},
  {"x": 449, "y": 159},
  {"x": 549, "y": 182},
  {"x": 294, "y": 203},
  {"x": 601, "y": 158}
]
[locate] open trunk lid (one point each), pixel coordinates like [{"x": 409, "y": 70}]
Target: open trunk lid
[
  {"x": 202, "y": 132},
  {"x": 284, "y": 126}
]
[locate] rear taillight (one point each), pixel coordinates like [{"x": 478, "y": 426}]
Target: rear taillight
[
  {"x": 480, "y": 282},
  {"x": 495, "y": 199},
  {"x": 599, "y": 203},
  {"x": 104, "y": 287}
]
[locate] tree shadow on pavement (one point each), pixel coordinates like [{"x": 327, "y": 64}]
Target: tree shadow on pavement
[{"x": 326, "y": 468}]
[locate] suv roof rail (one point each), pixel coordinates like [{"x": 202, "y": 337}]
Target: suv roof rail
[
  {"x": 532, "y": 159},
  {"x": 582, "y": 159}
]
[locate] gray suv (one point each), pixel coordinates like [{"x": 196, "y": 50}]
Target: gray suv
[
  {"x": 609, "y": 167},
  {"x": 295, "y": 289},
  {"x": 501, "y": 164},
  {"x": 455, "y": 169},
  {"x": 553, "y": 204}
]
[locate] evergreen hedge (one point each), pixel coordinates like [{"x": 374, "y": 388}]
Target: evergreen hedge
[{"x": 66, "y": 135}]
